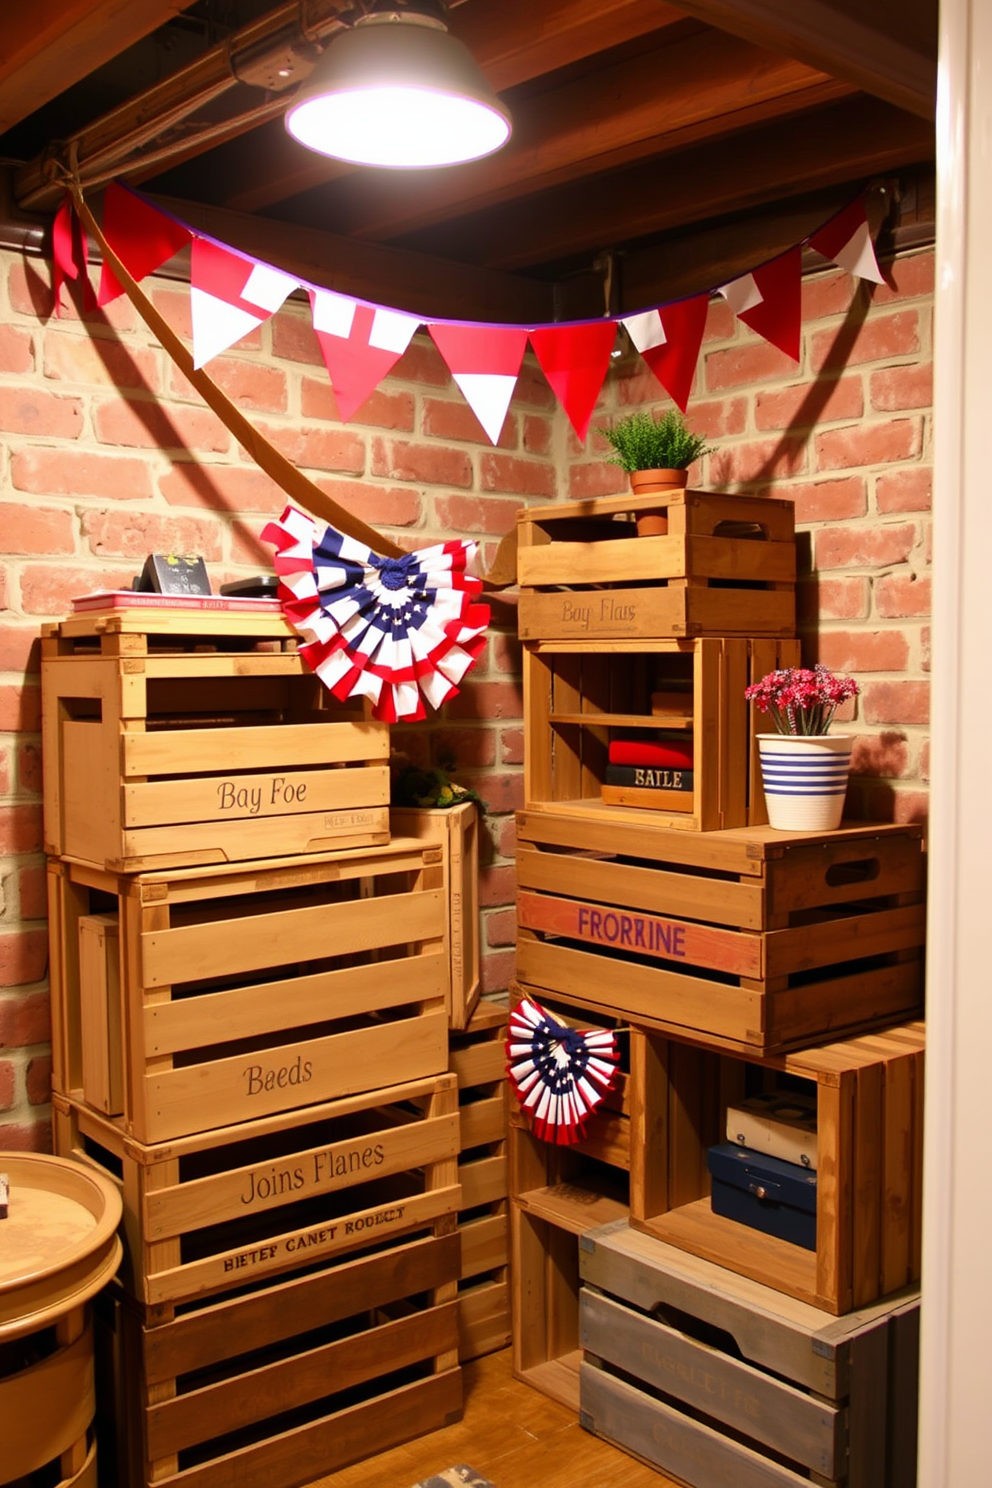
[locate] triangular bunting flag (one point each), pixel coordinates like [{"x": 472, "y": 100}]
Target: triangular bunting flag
[
  {"x": 777, "y": 316},
  {"x": 669, "y": 340},
  {"x": 846, "y": 241},
  {"x": 359, "y": 343},
  {"x": 142, "y": 237},
  {"x": 69, "y": 256},
  {"x": 574, "y": 359},
  {"x": 230, "y": 296},
  {"x": 485, "y": 362}
]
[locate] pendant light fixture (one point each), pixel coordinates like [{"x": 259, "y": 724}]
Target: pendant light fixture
[{"x": 397, "y": 90}]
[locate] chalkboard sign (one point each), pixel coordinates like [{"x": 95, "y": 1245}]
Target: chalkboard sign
[{"x": 174, "y": 573}]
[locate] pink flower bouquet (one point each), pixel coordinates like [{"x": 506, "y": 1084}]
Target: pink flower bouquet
[{"x": 801, "y": 700}]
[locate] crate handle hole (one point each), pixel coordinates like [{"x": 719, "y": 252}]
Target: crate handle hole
[
  {"x": 747, "y": 531},
  {"x": 861, "y": 870}
]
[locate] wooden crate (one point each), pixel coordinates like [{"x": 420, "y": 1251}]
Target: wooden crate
[
  {"x": 247, "y": 990},
  {"x": 251, "y": 1201},
  {"x": 751, "y": 939},
  {"x": 456, "y": 829},
  {"x": 175, "y": 740},
  {"x": 727, "y": 566},
  {"x": 577, "y": 695},
  {"x": 716, "y": 1380},
  {"x": 477, "y": 1058},
  {"x": 869, "y": 1094},
  {"x": 292, "y": 1380}
]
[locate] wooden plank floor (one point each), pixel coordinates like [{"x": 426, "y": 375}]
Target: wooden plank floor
[{"x": 511, "y": 1434}]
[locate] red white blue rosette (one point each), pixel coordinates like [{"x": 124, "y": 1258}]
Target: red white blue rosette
[
  {"x": 559, "y": 1074},
  {"x": 398, "y": 631}
]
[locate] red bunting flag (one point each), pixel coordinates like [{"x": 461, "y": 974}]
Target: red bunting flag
[
  {"x": 669, "y": 340},
  {"x": 142, "y": 237},
  {"x": 359, "y": 343},
  {"x": 69, "y": 256},
  {"x": 229, "y": 296},
  {"x": 485, "y": 362},
  {"x": 769, "y": 300},
  {"x": 574, "y": 359},
  {"x": 846, "y": 241}
]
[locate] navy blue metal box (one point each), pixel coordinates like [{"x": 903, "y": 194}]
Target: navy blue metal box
[{"x": 778, "y": 1198}]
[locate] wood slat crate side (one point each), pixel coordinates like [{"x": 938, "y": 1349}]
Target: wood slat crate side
[
  {"x": 255, "y": 796},
  {"x": 664, "y": 610},
  {"x": 655, "y": 560},
  {"x": 483, "y": 1319},
  {"x": 166, "y": 752}
]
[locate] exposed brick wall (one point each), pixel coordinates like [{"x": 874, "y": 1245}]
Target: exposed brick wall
[
  {"x": 108, "y": 454},
  {"x": 847, "y": 435}
]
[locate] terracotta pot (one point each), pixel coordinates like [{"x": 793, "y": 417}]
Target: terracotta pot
[{"x": 643, "y": 483}]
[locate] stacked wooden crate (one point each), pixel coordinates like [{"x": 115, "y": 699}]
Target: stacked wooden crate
[
  {"x": 251, "y": 985},
  {"x": 729, "y": 959}
]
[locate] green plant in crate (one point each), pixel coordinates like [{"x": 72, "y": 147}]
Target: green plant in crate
[{"x": 644, "y": 441}]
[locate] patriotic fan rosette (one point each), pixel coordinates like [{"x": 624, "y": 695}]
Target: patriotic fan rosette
[
  {"x": 560, "y": 1074},
  {"x": 398, "y": 631}
]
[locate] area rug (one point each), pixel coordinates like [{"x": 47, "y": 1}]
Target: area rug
[{"x": 456, "y": 1477}]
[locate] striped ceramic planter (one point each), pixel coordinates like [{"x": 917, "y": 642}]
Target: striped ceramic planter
[{"x": 805, "y": 779}]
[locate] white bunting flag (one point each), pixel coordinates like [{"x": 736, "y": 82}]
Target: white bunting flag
[
  {"x": 230, "y": 296},
  {"x": 485, "y": 362}
]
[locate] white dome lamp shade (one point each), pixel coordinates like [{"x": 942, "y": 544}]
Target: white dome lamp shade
[{"x": 396, "y": 90}]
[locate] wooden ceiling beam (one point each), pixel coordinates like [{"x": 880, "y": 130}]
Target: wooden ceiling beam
[
  {"x": 867, "y": 45},
  {"x": 847, "y": 141},
  {"x": 714, "y": 84},
  {"x": 513, "y": 42},
  {"x": 418, "y": 283},
  {"x": 48, "y": 45}
]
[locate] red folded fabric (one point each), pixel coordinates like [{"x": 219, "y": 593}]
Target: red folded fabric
[{"x": 670, "y": 753}]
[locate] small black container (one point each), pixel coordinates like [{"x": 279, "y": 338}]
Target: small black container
[{"x": 778, "y": 1198}]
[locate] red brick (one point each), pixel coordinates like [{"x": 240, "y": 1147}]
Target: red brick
[
  {"x": 8, "y": 1085},
  {"x": 20, "y": 709},
  {"x": 721, "y": 322},
  {"x": 868, "y": 444},
  {"x": 766, "y": 460},
  {"x": 808, "y": 404},
  {"x": 519, "y": 477},
  {"x": 294, "y": 338},
  {"x": 20, "y": 829},
  {"x": 751, "y": 361},
  {"x": 25, "y": 1136},
  {"x": 23, "y": 956},
  {"x": 925, "y": 760},
  {"x": 382, "y": 506},
  {"x": 6, "y": 778},
  {"x": 32, "y": 893},
  {"x": 25, "y": 1020},
  {"x": 902, "y": 595},
  {"x": 475, "y": 515},
  {"x": 832, "y": 599},
  {"x": 252, "y": 385},
  {"x": 398, "y": 459},
  {"x": 498, "y": 969},
  {"x": 827, "y": 294},
  {"x": 501, "y": 928},
  {"x": 422, "y": 362},
  {"x": 140, "y": 423},
  {"x": 863, "y": 650},
  {"x": 925, "y": 648},
  {"x": 501, "y": 791},
  {"x": 3, "y": 588},
  {"x": 461, "y": 749},
  {"x": 719, "y": 419},
  {"x": 55, "y": 472},
  {"x": 910, "y": 276},
  {"x": 48, "y": 589},
  {"x": 320, "y": 449},
  {"x": 532, "y": 386},
  {"x": 487, "y": 700},
  {"x": 380, "y": 411},
  {"x": 505, "y": 836},
  {"x": 895, "y": 388},
  {"x": 883, "y": 756},
  {"x": 538, "y": 434},
  {"x": 29, "y": 410},
  {"x": 886, "y": 804},
  {"x": 444, "y": 418},
  {"x": 864, "y": 547},
  {"x": 896, "y": 702},
  {"x": 97, "y": 361},
  {"x": 20, "y": 649},
  {"x": 38, "y": 1080},
  {"x": 29, "y": 769},
  {"x": 830, "y": 501},
  {"x": 635, "y": 384},
  {"x": 595, "y": 478},
  {"x": 511, "y": 746},
  {"x": 133, "y": 534},
  {"x": 221, "y": 487},
  {"x": 16, "y": 352},
  {"x": 247, "y": 550},
  {"x": 32, "y": 529},
  {"x": 506, "y": 652},
  {"x": 497, "y": 885},
  {"x": 909, "y": 489},
  {"x": 876, "y": 338}
]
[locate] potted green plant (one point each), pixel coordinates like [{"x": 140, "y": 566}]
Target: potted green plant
[
  {"x": 655, "y": 450},
  {"x": 804, "y": 769}
]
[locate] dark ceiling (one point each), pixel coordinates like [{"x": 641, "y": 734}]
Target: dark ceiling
[{"x": 657, "y": 150}]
